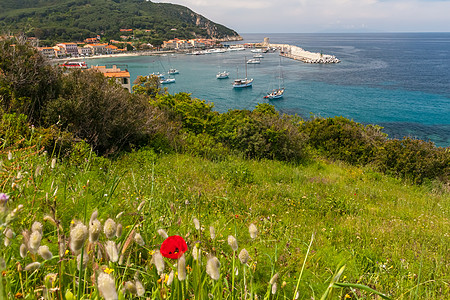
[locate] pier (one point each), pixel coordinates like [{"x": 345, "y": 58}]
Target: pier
[{"x": 297, "y": 53}]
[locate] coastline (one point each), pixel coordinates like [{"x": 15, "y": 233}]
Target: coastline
[{"x": 143, "y": 53}]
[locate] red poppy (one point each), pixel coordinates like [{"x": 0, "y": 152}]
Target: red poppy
[{"x": 173, "y": 247}]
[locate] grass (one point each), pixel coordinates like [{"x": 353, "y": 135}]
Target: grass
[{"x": 392, "y": 237}]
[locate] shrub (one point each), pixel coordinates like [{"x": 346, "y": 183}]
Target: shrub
[
  {"x": 343, "y": 139},
  {"x": 413, "y": 159}
]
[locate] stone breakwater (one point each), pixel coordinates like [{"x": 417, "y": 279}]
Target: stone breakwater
[{"x": 298, "y": 53}]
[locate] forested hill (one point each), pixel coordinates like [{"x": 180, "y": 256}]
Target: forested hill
[{"x": 80, "y": 19}]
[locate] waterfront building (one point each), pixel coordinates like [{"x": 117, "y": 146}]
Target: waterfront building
[
  {"x": 48, "y": 52},
  {"x": 97, "y": 48},
  {"x": 70, "y": 49},
  {"x": 121, "y": 76}
]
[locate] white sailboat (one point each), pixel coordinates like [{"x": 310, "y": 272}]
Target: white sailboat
[
  {"x": 222, "y": 75},
  {"x": 243, "y": 82},
  {"x": 279, "y": 92}
]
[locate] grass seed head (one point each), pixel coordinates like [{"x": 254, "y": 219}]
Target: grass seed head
[
  {"x": 37, "y": 226},
  {"x": 23, "y": 250},
  {"x": 163, "y": 233},
  {"x": 170, "y": 279},
  {"x": 130, "y": 287},
  {"x": 181, "y": 267},
  {"x": 78, "y": 235},
  {"x": 106, "y": 286},
  {"x": 273, "y": 279},
  {"x": 111, "y": 249},
  {"x": 212, "y": 232},
  {"x": 212, "y": 268},
  {"x": 33, "y": 266},
  {"x": 138, "y": 239},
  {"x": 274, "y": 288},
  {"x": 253, "y": 231},
  {"x": 110, "y": 228},
  {"x": 85, "y": 260},
  {"x": 95, "y": 227},
  {"x": 44, "y": 252},
  {"x": 158, "y": 260},
  {"x": 94, "y": 216},
  {"x": 34, "y": 242},
  {"x": 233, "y": 243},
  {"x": 196, "y": 223},
  {"x": 53, "y": 163},
  {"x": 140, "y": 290},
  {"x": 119, "y": 230},
  {"x": 244, "y": 256},
  {"x": 196, "y": 252}
]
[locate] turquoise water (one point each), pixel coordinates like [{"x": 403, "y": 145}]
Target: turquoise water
[{"x": 398, "y": 81}]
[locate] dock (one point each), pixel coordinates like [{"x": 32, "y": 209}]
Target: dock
[{"x": 297, "y": 53}]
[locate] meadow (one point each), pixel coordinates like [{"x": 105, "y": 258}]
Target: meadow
[{"x": 312, "y": 220}]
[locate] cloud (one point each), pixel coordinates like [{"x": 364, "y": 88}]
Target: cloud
[{"x": 325, "y": 15}]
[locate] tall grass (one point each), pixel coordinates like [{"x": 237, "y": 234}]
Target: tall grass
[{"x": 392, "y": 237}]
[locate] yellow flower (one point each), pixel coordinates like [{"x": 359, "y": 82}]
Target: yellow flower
[
  {"x": 347, "y": 296},
  {"x": 67, "y": 252},
  {"x": 72, "y": 222},
  {"x": 108, "y": 270}
]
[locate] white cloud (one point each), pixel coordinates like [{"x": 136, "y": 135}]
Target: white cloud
[{"x": 324, "y": 15}]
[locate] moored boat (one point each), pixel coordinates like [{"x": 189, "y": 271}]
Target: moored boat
[
  {"x": 167, "y": 81},
  {"x": 243, "y": 82},
  {"x": 173, "y": 72},
  {"x": 253, "y": 61},
  {"x": 222, "y": 75},
  {"x": 74, "y": 65}
]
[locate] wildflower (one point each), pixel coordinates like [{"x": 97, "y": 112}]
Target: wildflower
[
  {"x": 108, "y": 270},
  {"x": 173, "y": 247},
  {"x": 106, "y": 286},
  {"x": 140, "y": 290},
  {"x": 33, "y": 266},
  {"x": 138, "y": 239},
  {"x": 196, "y": 252},
  {"x": 244, "y": 256},
  {"x": 212, "y": 268},
  {"x": 95, "y": 227},
  {"x": 110, "y": 228},
  {"x": 196, "y": 223},
  {"x": 130, "y": 287},
  {"x": 3, "y": 199},
  {"x": 212, "y": 232},
  {"x": 253, "y": 231},
  {"x": 111, "y": 249},
  {"x": 232, "y": 242},
  {"x": 162, "y": 233},
  {"x": 44, "y": 252},
  {"x": 85, "y": 260},
  {"x": 23, "y": 250},
  {"x": 181, "y": 267},
  {"x": 273, "y": 279},
  {"x": 170, "y": 278},
  {"x": 158, "y": 261},
  {"x": 274, "y": 288},
  {"x": 34, "y": 242},
  {"x": 37, "y": 226},
  {"x": 78, "y": 235},
  {"x": 119, "y": 230},
  {"x": 53, "y": 164}
]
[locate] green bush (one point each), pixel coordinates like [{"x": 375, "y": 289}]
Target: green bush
[{"x": 415, "y": 160}]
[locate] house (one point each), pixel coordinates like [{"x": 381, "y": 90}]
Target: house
[
  {"x": 97, "y": 48},
  {"x": 85, "y": 51},
  {"x": 48, "y": 52},
  {"x": 90, "y": 41},
  {"x": 70, "y": 49},
  {"x": 110, "y": 49},
  {"x": 121, "y": 77}
]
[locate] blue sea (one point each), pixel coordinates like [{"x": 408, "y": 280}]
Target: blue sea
[{"x": 400, "y": 81}]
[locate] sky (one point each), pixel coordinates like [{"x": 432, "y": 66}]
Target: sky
[{"x": 312, "y": 16}]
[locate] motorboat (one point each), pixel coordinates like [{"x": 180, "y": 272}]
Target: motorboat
[
  {"x": 222, "y": 75},
  {"x": 254, "y": 61}
]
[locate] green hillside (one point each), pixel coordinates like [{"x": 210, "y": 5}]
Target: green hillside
[{"x": 79, "y": 19}]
